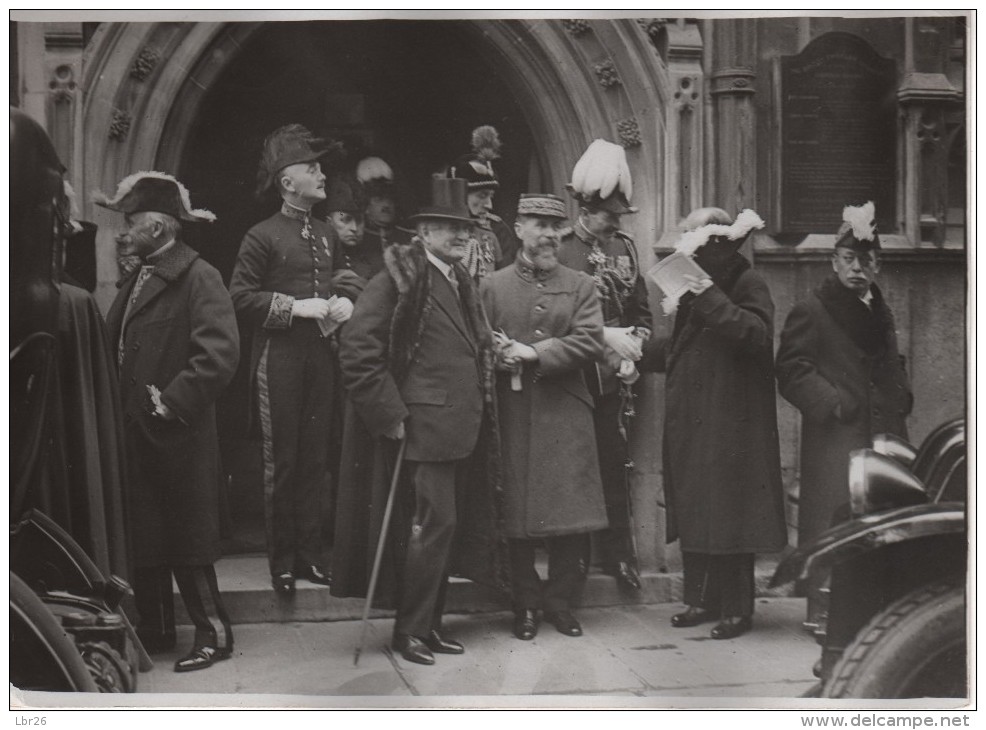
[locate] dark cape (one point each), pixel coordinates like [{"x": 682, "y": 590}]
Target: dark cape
[{"x": 366, "y": 470}]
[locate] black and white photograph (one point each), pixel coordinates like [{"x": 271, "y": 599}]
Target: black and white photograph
[{"x": 503, "y": 359}]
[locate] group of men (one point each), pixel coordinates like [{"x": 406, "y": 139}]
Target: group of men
[{"x": 479, "y": 381}]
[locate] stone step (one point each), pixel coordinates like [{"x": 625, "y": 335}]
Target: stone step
[{"x": 245, "y": 584}]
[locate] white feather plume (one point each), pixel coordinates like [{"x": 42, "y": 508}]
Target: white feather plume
[
  {"x": 745, "y": 222},
  {"x": 602, "y": 170},
  {"x": 861, "y": 219},
  {"x": 373, "y": 168}
]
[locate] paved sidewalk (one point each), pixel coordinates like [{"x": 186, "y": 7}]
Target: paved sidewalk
[{"x": 626, "y": 652}]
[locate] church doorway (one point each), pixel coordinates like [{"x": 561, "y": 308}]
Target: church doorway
[{"x": 410, "y": 92}]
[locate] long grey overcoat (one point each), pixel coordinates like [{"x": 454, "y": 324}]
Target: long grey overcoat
[
  {"x": 550, "y": 467},
  {"x": 181, "y": 337},
  {"x": 722, "y": 475}
]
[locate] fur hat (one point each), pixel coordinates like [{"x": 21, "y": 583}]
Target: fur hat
[
  {"x": 477, "y": 168},
  {"x": 290, "y": 145},
  {"x": 448, "y": 202},
  {"x": 376, "y": 177},
  {"x": 858, "y": 229},
  {"x": 601, "y": 179},
  {"x": 153, "y": 191}
]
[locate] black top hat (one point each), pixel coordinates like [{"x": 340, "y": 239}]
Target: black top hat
[
  {"x": 290, "y": 145},
  {"x": 153, "y": 191},
  {"x": 448, "y": 202}
]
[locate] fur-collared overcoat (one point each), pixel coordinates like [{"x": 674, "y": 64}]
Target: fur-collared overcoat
[
  {"x": 722, "y": 474},
  {"x": 410, "y": 353},
  {"x": 836, "y": 351},
  {"x": 179, "y": 336},
  {"x": 550, "y": 466}
]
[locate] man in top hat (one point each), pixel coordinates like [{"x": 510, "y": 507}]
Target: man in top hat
[
  {"x": 283, "y": 286},
  {"x": 596, "y": 245},
  {"x": 550, "y": 328},
  {"x": 839, "y": 365},
  {"x": 176, "y": 343},
  {"x": 493, "y": 245},
  {"x": 417, "y": 362}
]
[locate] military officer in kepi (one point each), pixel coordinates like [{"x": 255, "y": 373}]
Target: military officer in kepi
[
  {"x": 595, "y": 245},
  {"x": 283, "y": 284},
  {"x": 493, "y": 245}
]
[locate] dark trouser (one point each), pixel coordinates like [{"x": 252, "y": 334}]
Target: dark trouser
[
  {"x": 294, "y": 389},
  {"x": 199, "y": 591},
  {"x": 615, "y": 543},
  {"x": 429, "y": 545},
  {"x": 719, "y": 583},
  {"x": 567, "y": 565}
]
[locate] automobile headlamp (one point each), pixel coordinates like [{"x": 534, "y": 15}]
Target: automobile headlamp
[{"x": 878, "y": 482}]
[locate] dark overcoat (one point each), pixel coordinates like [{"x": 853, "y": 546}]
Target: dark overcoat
[
  {"x": 180, "y": 336},
  {"x": 550, "y": 466},
  {"x": 410, "y": 353},
  {"x": 722, "y": 475},
  {"x": 821, "y": 365}
]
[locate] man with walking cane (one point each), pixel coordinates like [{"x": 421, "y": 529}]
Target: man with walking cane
[{"x": 416, "y": 360}]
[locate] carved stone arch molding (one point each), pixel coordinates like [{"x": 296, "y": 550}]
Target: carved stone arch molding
[{"x": 145, "y": 82}]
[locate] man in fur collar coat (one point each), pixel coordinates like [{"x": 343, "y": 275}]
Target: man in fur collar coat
[
  {"x": 838, "y": 364},
  {"x": 416, "y": 359}
]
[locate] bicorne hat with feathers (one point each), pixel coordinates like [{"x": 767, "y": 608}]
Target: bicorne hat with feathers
[
  {"x": 153, "y": 191},
  {"x": 476, "y": 168},
  {"x": 290, "y": 145},
  {"x": 601, "y": 178},
  {"x": 858, "y": 229},
  {"x": 376, "y": 177}
]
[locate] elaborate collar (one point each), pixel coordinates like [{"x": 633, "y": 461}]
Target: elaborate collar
[{"x": 293, "y": 211}]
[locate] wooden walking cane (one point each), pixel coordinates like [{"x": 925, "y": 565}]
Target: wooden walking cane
[{"x": 377, "y": 559}]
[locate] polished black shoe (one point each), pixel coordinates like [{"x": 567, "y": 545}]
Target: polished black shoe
[
  {"x": 564, "y": 622},
  {"x": 315, "y": 574},
  {"x": 627, "y": 577},
  {"x": 693, "y": 616},
  {"x": 201, "y": 657},
  {"x": 526, "y": 624},
  {"x": 440, "y": 645},
  {"x": 413, "y": 649},
  {"x": 283, "y": 584},
  {"x": 732, "y": 626}
]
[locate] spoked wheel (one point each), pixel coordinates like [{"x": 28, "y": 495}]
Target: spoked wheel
[
  {"x": 108, "y": 669},
  {"x": 916, "y": 647}
]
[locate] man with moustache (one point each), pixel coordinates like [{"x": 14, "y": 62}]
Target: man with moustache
[
  {"x": 597, "y": 246},
  {"x": 283, "y": 285},
  {"x": 417, "y": 359},
  {"x": 838, "y": 363},
  {"x": 177, "y": 347},
  {"x": 550, "y": 328}
]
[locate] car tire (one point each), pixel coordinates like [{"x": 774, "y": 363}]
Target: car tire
[{"x": 916, "y": 647}]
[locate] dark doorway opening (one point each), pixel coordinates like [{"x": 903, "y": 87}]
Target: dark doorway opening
[{"x": 410, "y": 92}]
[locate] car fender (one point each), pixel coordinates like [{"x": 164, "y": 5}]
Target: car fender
[{"x": 868, "y": 533}]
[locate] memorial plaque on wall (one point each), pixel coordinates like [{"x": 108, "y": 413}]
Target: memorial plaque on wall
[{"x": 838, "y": 126}]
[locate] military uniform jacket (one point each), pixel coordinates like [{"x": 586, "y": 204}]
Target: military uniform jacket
[{"x": 615, "y": 270}]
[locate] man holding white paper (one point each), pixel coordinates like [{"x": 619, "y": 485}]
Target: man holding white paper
[{"x": 283, "y": 285}]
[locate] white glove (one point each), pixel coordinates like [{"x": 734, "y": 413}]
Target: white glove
[
  {"x": 340, "y": 310},
  {"x": 623, "y": 342},
  {"x": 314, "y": 308}
]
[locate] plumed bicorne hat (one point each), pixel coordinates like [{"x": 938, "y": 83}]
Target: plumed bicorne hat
[
  {"x": 476, "y": 168},
  {"x": 376, "y": 177},
  {"x": 153, "y": 191},
  {"x": 290, "y": 145},
  {"x": 601, "y": 179},
  {"x": 346, "y": 196},
  {"x": 858, "y": 229},
  {"x": 448, "y": 202}
]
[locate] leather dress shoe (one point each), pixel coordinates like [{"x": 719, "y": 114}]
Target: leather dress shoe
[
  {"x": 564, "y": 622},
  {"x": 526, "y": 624},
  {"x": 627, "y": 577},
  {"x": 202, "y": 657},
  {"x": 732, "y": 626},
  {"x": 283, "y": 584},
  {"x": 315, "y": 574},
  {"x": 693, "y": 616},
  {"x": 440, "y": 645},
  {"x": 413, "y": 649}
]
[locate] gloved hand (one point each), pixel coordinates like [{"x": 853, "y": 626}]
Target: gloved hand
[{"x": 623, "y": 342}]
